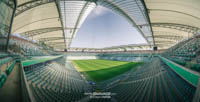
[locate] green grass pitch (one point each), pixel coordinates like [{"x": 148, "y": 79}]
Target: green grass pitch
[{"x": 98, "y": 70}]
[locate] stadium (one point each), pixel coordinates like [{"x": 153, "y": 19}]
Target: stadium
[{"x": 99, "y": 51}]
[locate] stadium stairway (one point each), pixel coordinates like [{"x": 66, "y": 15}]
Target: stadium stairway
[{"x": 11, "y": 90}]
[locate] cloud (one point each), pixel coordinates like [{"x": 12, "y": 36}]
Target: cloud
[{"x": 98, "y": 11}]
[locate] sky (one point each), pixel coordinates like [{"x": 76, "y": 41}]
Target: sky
[{"x": 104, "y": 28}]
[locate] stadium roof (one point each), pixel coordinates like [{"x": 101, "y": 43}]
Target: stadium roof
[
  {"x": 162, "y": 23},
  {"x": 173, "y": 20}
]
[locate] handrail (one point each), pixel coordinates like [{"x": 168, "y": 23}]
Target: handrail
[
  {"x": 26, "y": 91},
  {"x": 37, "y": 61},
  {"x": 10, "y": 67},
  {"x": 188, "y": 75}
]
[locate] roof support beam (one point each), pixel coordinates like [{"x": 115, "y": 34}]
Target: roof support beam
[
  {"x": 34, "y": 3},
  {"x": 163, "y": 38},
  {"x": 165, "y": 10},
  {"x": 170, "y": 37},
  {"x": 55, "y": 43},
  {"x": 40, "y": 31},
  {"x": 29, "y": 5},
  {"x": 78, "y": 21},
  {"x": 11, "y": 23},
  {"x": 57, "y": 2},
  {"x": 30, "y": 23},
  {"x": 149, "y": 20},
  {"x": 50, "y": 39},
  {"x": 166, "y": 42},
  {"x": 180, "y": 27}
]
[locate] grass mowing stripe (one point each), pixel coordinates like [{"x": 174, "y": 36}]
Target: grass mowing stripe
[
  {"x": 95, "y": 66},
  {"x": 103, "y": 63},
  {"x": 104, "y": 74},
  {"x": 81, "y": 64},
  {"x": 109, "y": 64},
  {"x": 90, "y": 66},
  {"x": 99, "y": 70}
]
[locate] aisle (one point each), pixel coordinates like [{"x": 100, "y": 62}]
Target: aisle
[{"x": 11, "y": 91}]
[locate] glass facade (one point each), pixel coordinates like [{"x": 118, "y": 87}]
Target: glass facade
[{"x": 6, "y": 13}]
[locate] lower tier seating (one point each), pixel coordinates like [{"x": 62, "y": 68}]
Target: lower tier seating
[
  {"x": 156, "y": 83},
  {"x": 152, "y": 82},
  {"x": 56, "y": 83},
  {"x": 6, "y": 66}
]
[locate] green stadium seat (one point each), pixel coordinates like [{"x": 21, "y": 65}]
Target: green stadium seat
[
  {"x": 3, "y": 78},
  {"x": 10, "y": 68}
]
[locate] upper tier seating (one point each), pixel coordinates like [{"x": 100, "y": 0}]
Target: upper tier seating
[
  {"x": 3, "y": 54},
  {"x": 5, "y": 60},
  {"x": 26, "y": 47},
  {"x": 186, "y": 53}
]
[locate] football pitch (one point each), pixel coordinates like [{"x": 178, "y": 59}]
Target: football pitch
[{"x": 99, "y": 70}]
